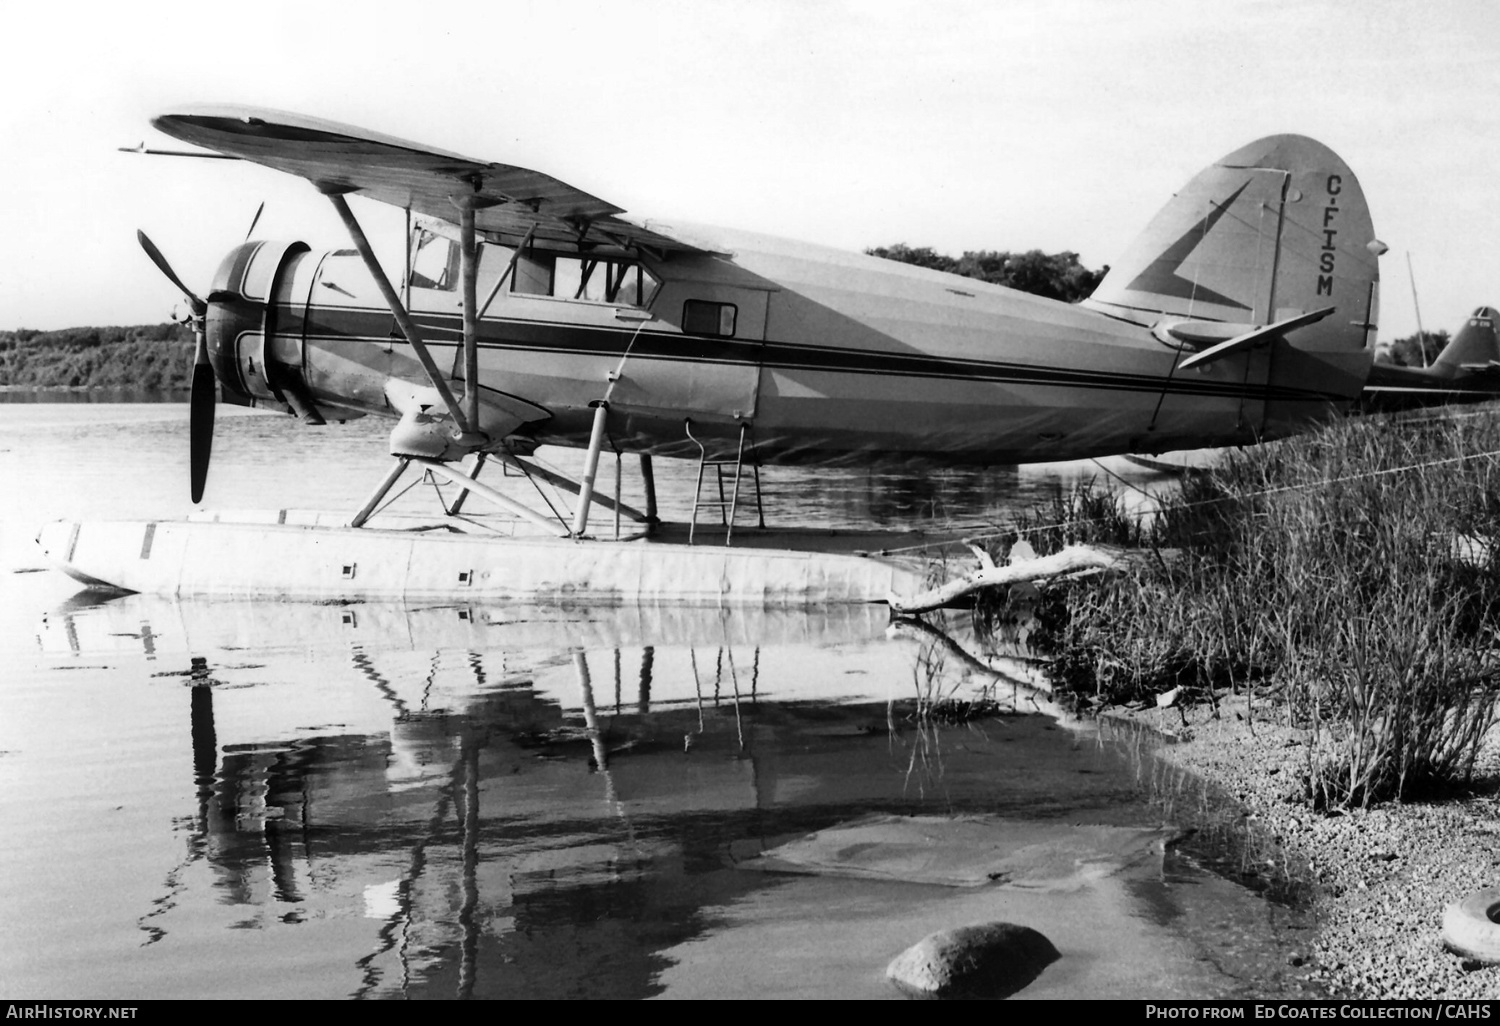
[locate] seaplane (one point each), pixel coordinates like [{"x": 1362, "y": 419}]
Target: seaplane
[
  {"x": 530, "y": 313},
  {"x": 1466, "y": 371}
]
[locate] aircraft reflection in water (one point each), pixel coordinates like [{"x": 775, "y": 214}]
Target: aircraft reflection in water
[{"x": 534, "y": 806}]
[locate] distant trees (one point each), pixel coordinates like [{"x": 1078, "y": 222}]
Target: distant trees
[
  {"x": 1418, "y": 349},
  {"x": 1053, "y": 275},
  {"x": 150, "y": 357}
]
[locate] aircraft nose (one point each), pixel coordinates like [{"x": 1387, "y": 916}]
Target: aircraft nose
[{"x": 242, "y": 305}]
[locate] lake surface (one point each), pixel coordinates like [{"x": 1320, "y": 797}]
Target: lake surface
[{"x": 256, "y": 800}]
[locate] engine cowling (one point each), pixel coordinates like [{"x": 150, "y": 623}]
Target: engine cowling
[{"x": 257, "y": 359}]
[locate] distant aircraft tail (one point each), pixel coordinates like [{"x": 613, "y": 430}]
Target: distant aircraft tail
[
  {"x": 1466, "y": 371},
  {"x": 1272, "y": 249},
  {"x": 1476, "y": 346}
]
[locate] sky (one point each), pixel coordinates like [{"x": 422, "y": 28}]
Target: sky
[{"x": 946, "y": 123}]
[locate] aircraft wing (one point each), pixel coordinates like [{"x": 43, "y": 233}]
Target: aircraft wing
[{"x": 346, "y": 159}]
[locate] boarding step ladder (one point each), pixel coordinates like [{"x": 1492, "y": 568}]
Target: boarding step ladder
[{"x": 728, "y": 507}]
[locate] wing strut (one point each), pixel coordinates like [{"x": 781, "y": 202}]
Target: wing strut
[
  {"x": 469, "y": 273},
  {"x": 408, "y": 328}
]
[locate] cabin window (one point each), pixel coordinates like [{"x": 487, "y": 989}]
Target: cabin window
[
  {"x": 533, "y": 274},
  {"x": 703, "y": 318},
  {"x": 580, "y": 278},
  {"x": 434, "y": 265},
  {"x": 585, "y": 279},
  {"x": 634, "y": 285}
]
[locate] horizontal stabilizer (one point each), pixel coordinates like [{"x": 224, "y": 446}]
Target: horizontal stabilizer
[
  {"x": 1200, "y": 333},
  {"x": 1253, "y": 338}
]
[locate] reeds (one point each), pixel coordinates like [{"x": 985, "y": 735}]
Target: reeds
[{"x": 1351, "y": 574}]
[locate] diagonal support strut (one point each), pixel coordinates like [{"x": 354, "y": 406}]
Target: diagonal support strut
[{"x": 466, "y": 428}]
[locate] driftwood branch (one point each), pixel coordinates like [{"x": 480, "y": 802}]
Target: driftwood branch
[
  {"x": 1071, "y": 560},
  {"x": 1027, "y": 684},
  {"x": 1011, "y": 672}
]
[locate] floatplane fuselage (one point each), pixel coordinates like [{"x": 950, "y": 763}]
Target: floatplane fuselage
[
  {"x": 528, "y": 312},
  {"x": 1243, "y": 312},
  {"x": 825, "y": 356}
]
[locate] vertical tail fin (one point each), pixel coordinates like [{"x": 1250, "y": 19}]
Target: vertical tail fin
[
  {"x": 1276, "y": 229},
  {"x": 1476, "y": 345}
]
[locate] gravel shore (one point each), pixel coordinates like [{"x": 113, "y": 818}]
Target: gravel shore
[{"x": 1381, "y": 877}]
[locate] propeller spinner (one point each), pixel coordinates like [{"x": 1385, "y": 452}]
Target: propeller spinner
[{"x": 201, "y": 407}]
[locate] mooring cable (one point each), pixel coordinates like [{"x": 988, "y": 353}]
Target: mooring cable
[{"x": 1039, "y": 528}]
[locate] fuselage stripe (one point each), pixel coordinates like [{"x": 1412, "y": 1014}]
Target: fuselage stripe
[{"x": 363, "y": 324}]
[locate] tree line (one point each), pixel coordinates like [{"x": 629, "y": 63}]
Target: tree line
[
  {"x": 1418, "y": 349},
  {"x": 1053, "y": 275},
  {"x": 150, "y": 357}
]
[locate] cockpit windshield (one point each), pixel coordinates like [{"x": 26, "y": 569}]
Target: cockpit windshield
[{"x": 434, "y": 261}]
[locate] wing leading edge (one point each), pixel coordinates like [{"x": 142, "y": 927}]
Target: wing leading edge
[{"x": 341, "y": 158}]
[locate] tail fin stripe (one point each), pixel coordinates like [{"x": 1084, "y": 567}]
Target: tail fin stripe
[{"x": 1160, "y": 276}]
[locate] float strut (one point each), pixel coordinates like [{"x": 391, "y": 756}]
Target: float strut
[
  {"x": 521, "y": 510},
  {"x": 386, "y": 485},
  {"x": 590, "y": 468},
  {"x": 458, "y": 503},
  {"x": 648, "y": 478},
  {"x": 567, "y": 484}
]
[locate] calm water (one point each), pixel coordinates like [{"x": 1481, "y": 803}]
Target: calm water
[{"x": 258, "y": 800}]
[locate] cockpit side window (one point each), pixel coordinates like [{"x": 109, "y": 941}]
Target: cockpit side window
[{"x": 434, "y": 263}]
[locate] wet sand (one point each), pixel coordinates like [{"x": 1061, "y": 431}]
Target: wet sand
[
  {"x": 770, "y": 947},
  {"x": 1155, "y": 927},
  {"x": 1379, "y": 879}
]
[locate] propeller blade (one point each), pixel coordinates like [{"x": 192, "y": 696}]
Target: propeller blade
[
  {"x": 198, "y": 305},
  {"x": 201, "y": 419},
  {"x": 255, "y": 220}
]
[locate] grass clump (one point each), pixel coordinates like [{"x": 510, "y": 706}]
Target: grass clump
[{"x": 1354, "y": 574}]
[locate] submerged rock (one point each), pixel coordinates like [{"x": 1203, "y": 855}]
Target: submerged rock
[
  {"x": 971, "y": 851},
  {"x": 988, "y": 960}
]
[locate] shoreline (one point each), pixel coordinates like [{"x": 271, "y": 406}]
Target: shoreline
[{"x": 1379, "y": 879}]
